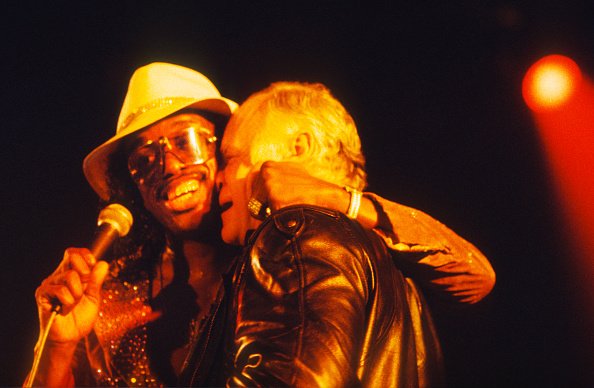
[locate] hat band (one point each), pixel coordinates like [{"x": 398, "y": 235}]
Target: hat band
[{"x": 155, "y": 104}]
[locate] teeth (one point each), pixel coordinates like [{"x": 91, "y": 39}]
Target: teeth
[{"x": 183, "y": 188}]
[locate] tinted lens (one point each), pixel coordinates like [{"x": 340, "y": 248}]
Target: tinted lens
[
  {"x": 190, "y": 145},
  {"x": 144, "y": 159}
]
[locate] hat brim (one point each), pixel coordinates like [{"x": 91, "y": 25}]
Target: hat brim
[{"x": 96, "y": 163}]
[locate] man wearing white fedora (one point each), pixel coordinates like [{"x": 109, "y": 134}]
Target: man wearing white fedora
[{"x": 148, "y": 318}]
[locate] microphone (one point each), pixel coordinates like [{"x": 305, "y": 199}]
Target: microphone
[{"x": 114, "y": 221}]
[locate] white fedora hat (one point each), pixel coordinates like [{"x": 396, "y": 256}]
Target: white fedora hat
[{"x": 155, "y": 91}]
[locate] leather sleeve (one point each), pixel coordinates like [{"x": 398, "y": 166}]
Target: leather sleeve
[
  {"x": 437, "y": 258},
  {"x": 301, "y": 303}
]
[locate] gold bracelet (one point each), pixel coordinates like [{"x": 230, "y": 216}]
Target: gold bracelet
[{"x": 355, "y": 202}]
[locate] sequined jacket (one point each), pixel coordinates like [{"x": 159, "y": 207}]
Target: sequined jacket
[{"x": 318, "y": 301}]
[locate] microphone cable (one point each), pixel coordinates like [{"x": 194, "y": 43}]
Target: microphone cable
[{"x": 41, "y": 345}]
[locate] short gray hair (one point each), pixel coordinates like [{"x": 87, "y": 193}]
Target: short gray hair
[{"x": 336, "y": 146}]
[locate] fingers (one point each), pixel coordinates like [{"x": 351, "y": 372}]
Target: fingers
[
  {"x": 257, "y": 204},
  {"x": 264, "y": 182},
  {"x": 258, "y": 188},
  {"x": 279, "y": 183},
  {"x": 65, "y": 289},
  {"x": 93, "y": 289},
  {"x": 79, "y": 259},
  {"x": 69, "y": 281}
]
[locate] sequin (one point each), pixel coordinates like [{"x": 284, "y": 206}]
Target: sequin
[
  {"x": 121, "y": 331},
  {"x": 155, "y": 104}
]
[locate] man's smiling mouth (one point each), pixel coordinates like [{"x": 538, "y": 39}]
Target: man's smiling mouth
[
  {"x": 177, "y": 190},
  {"x": 181, "y": 185},
  {"x": 184, "y": 193}
]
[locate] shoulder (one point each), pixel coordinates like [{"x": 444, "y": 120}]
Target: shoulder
[
  {"x": 314, "y": 231},
  {"x": 295, "y": 221}
]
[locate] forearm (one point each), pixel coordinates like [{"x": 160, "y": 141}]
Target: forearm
[
  {"x": 435, "y": 256},
  {"x": 55, "y": 367},
  {"x": 439, "y": 258}
]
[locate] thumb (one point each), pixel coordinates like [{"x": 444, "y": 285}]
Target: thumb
[
  {"x": 258, "y": 188},
  {"x": 96, "y": 279},
  {"x": 258, "y": 202}
]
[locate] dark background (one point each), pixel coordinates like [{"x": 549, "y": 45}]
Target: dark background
[{"x": 434, "y": 88}]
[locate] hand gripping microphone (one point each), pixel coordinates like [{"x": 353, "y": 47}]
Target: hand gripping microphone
[{"x": 114, "y": 221}]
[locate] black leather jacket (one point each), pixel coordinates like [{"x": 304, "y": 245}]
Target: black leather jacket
[{"x": 318, "y": 301}]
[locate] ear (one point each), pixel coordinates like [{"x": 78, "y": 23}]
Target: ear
[{"x": 302, "y": 144}]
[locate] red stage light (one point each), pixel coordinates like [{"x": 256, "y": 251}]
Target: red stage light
[
  {"x": 550, "y": 82},
  {"x": 562, "y": 104}
]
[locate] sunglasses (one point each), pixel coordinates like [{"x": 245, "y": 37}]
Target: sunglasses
[{"x": 191, "y": 146}]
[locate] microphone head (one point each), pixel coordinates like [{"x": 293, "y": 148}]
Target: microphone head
[{"x": 117, "y": 216}]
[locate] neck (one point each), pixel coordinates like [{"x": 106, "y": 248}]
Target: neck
[
  {"x": 190, "y": 261},
  {"x": 197, "y": 253},
  {"x": 189, "y": 247}
]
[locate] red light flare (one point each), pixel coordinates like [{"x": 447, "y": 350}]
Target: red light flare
[
  {"x": 551, "y": 83},
  {"x": 562, "y": 104}
]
